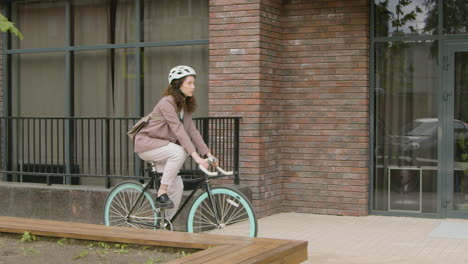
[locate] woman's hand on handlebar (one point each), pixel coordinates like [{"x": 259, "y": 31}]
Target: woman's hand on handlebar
[
  {"x": 212, "y": 160},
  {"x": 202, "y": 162}
]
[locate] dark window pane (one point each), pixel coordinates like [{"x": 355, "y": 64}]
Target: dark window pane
[
  {"x": 103, "y": 22},
  {"x": 406, "y": 126},
  {"x": 175, "y": 20},
  {"x": 460, "y": 129},
  {"x": 38, "y": 90},
  {"x": 42, "y": 24},
  {"x": 103, "y": 88},
  {"x": 405, "y": 17},
  {"x": 455, "y": 16}
]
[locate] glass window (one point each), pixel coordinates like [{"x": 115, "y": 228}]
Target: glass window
[
  {"x": 157, "y": 63},
  {"x": 455, "y": 16},
  {"x": 172, "y": 20},
  {"x": 406, "y": 126},
  {"x": 42, "y": 24},
  {"x": 104, "y": 80},
  {"x": 38, "y": 91},
  {"x": 103, "y": 22},
  {"x": 460, "y": 136},
  {"x": 405, "y": 17},
  {"x": 104, "y": 83}
]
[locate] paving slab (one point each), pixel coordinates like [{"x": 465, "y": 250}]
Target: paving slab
[{"x": 372, "y": 239}]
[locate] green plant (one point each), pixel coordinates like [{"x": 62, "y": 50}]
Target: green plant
[
  {"x": 181, "y": 254},
  {"x": 104, "y": 245},
  {"x": 6, "y": 25},
  {"x": 83, "y": 254},
  {"x": 462, "y": 148},
  {"x": 28, "y": 250},
  {"x": 63, "y": 241},
  {"x": 28, "y": 237},
  {"x": 102, "y": 252},
  {"x": 121, "y": 248}
]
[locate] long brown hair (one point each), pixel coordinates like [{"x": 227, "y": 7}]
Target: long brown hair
[{"x": 189, "y": 104}]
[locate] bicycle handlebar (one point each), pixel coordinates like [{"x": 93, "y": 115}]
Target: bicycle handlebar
[{"x": 216, "y": 173}]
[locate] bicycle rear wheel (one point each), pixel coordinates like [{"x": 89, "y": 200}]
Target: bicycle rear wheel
[
  {"x": 122, "y": 199},
  {"x": 235, "y": 213}
]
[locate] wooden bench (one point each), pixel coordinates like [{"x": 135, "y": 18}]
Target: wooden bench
[{"x": 215, "y": 248}]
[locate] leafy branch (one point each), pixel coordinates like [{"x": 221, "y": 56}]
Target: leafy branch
[{"x": 6, "y": 25}]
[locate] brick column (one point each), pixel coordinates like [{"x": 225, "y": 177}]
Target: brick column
[
  {"x": 297, "y": 73},
  {"x": 1, "y": 104},
  {"x": 239, "y": 86},
  {"x": 325, "y": 93}
]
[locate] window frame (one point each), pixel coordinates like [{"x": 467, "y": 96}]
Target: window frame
[{"x": 438, "y": 36}]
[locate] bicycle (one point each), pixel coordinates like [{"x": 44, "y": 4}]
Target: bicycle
[{"x": 218, "y": 210}]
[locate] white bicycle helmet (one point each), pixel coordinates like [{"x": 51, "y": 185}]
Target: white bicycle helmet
[{"x": 180, "y": 71}]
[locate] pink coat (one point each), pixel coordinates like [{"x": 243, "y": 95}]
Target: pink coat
[{"x": 158, "y": 133}]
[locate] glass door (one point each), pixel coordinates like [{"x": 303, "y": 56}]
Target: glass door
[{"x": 455, "y": 180}]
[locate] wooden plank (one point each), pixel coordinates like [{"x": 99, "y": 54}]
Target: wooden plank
[
  {"x": 217, "y": 253},
  {"x": 245, "y": 253},
  {"x": 216, "y": 249},
  {"x": 108, "y": 233},
  {"x": 289, "y": 252}
]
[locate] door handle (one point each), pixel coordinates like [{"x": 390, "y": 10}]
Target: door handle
[{"x": 445, "y": 95}]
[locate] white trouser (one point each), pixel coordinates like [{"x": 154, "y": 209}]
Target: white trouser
[{"x": 169, "y": 159}]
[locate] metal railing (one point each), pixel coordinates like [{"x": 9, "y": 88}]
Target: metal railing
[{"x": 95, "y": 151}]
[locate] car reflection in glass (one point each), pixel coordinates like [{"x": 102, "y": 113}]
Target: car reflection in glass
[{"x": 416, "y": 143}]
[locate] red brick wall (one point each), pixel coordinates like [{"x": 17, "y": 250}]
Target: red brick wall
[
  {"x": 1, "y": 104},
  {"x": 297, "y": 72},
  {"x": 270, "y": 182},
  {"x": 236, "y": 88},
  {"x": 325, "y": 97}
]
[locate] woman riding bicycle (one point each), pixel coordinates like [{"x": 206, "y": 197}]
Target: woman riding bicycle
[{"x": 167, "y": 141}]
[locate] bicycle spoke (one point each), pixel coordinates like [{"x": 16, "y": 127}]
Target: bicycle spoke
[
  {"x": 205, "y": 207},
  {"x": 234, "y": 212},
  {"x": 242, "y": 216},
  {"x": 128, "y": 197},
  {"x": 202, "y": 217},
  {"x": 119, "y": 202},
  {"x": 226, "y": 207},
  {"x": 201, "y": 226},
  {"x": 222, "y": 207}
]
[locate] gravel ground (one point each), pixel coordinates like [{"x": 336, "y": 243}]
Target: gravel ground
[{"x": 28, "y": 249}]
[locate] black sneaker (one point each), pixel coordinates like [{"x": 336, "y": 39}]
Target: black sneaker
[{"x": 164, "y": 202}]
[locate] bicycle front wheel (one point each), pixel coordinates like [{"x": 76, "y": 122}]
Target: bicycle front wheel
[
  {"x": 122, "y": 200},
  {"x": 235, "y": 215}
]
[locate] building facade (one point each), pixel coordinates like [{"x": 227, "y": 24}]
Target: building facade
[{"x": 345, "y": 105}]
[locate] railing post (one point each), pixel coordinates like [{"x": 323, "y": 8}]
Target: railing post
[
  {"x": 236, "y": 150},
  {"x": 206, "y": 131},
  {"x": 107, "y": 151},
  {"x": 68, "y": 150},
  {"x": 5, "y": 149},
  {"x": 71, "y": 132}
]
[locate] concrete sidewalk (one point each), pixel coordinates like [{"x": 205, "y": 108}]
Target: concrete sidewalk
[{"x": 372, "y": 239}]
